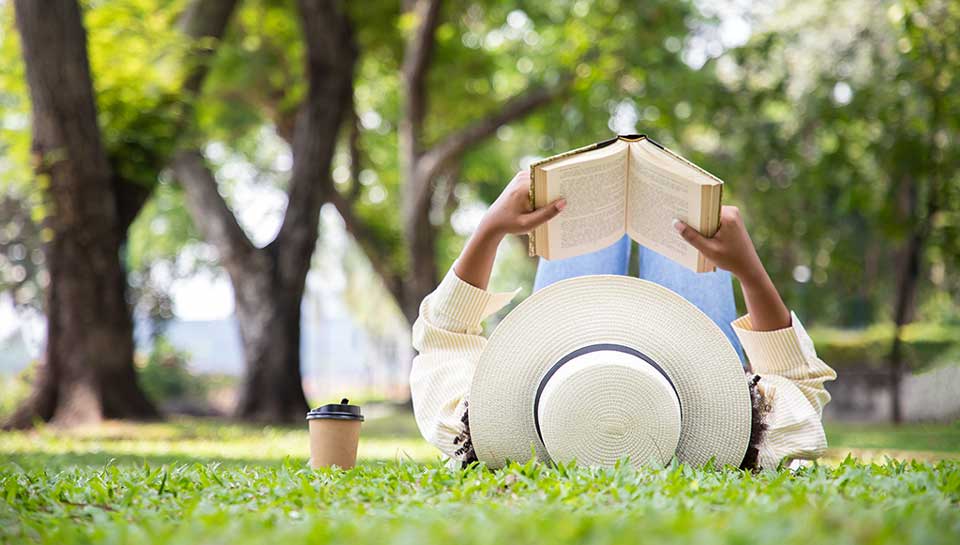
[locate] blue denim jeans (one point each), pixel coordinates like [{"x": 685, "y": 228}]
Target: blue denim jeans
[{"x": 710, "y": 292}]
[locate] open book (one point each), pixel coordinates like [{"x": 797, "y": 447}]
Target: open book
[{"x": 629, "y": 184}]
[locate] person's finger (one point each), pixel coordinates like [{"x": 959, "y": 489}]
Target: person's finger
[
  {"x": 691, "y": 235},
  {"x": 543, "y": 214}
]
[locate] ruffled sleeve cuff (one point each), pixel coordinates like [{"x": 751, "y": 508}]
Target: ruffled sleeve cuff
[
  {"x": 777, "y": 352},
  {"x": 459, "y": 306}
]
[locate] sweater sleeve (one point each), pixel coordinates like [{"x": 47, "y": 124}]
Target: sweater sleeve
[
  {"x": 792, "y": 384},
  {"x": 448, "y": 338}
]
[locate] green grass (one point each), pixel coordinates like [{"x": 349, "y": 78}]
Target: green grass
[
  {"x": 198, "y": 482},
  {"x": 943, "y": 438}
]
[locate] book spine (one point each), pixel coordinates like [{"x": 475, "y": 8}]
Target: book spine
[
  {"x": 532, "y": 237},
  {"x": 704, "y": 264}
]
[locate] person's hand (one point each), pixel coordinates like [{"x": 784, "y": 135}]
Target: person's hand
[
  {"x": 730, "y": 248},
  {"x": 511, "y": 212}
]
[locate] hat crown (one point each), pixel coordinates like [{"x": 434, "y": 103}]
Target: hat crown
[{"x": 602, "y": 405}]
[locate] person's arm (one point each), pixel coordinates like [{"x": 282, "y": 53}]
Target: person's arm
[
  {"x": 509, "y": 214},
  {"x": 448, "y": 334},
  {"x": 731, "y": 249},
  {"x": 777, "y": 345},
  {"x": 448, "y": 338}
]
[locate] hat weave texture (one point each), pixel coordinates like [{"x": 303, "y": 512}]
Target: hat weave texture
[
  {"x": 613, "y": 405},
  {"x": 571, "y": 314}
]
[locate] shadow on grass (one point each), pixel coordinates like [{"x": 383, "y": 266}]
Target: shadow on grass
[
  {"x": 56, "y": 462},
  {"x": 398, "y": 425}
]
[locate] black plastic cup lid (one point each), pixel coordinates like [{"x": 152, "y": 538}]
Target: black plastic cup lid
[{"x": 337, "y": 411}]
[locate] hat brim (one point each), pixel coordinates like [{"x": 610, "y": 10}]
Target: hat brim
[{"x": 571, "y": 314}]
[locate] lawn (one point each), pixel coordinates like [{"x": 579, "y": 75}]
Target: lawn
[{"x": 192, "y": 482}]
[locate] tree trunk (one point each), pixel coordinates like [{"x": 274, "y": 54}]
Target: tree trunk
[
  {"x": 88, "y": 370},
  {"x": 896, "y": 377},
  {"x": 903, "y": 314},
  {"x": 267, "y": 299},
  {"x": 268, "y": 313},
  {"x": 421, "y": 165},
  {"x": 269, "y": 309},
  {"x": 269, "y": 282},
  {"x": 420, "y": 237},
  {"x": 908, "y": 277}
]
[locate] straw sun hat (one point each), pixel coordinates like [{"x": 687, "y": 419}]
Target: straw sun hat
[{"x": 601, "y": 368}]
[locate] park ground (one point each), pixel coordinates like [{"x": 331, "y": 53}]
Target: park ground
[{"x": 201, "y": 481}]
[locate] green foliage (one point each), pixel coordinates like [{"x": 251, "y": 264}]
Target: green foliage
[
  {"x": 138, "y": 60},
  {"x": 136, "y": 56},
  {"x": 836, "y": 127},
  {"x": 487, "y": 52},
  {"x": 925, "y": 345},
  {"x": 21, "y": 205},
  {"x": 15, "y": 388},
  {"x": 161, "y": 231},
  {"x": 173, "y": 503},
  {"x": 15, "y": 169},
  {"x": 263, "y": 45},
  {"x": 135, "y": 53},
  {"x": 165, "y": 375}
]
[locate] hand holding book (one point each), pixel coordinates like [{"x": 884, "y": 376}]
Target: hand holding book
[
  {"x": 510, "y": 214},
  {"x": 730, "y": 248}
]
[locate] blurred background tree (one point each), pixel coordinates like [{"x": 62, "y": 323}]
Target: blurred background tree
[
  {"x": 90, "y": 186},
  {"x": 269, "y": 281},
  {"x": 841, "y": 120}
]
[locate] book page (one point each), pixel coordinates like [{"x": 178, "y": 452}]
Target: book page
[
  {"x": 594, "y": 185},
  {"x": 657, "y": 196}
]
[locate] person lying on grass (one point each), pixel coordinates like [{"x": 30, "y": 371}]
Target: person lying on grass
[{"x": 597, "y": 367}]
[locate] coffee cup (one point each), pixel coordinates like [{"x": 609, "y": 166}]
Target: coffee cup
[{"x": 334, "y": 434}]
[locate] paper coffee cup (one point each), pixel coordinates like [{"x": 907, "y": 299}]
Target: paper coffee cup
[{"x": 334, "y": 434}]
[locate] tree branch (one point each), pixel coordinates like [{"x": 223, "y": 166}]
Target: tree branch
[
  {"x": 374, "y": 247},
  {"x": 330, "y": 58},
  {"x": 518, "y": 107},
  {"x": 355, "y": 154},
  {"x": 209, "y": 210},
  {"x": 204, "y": 19},
  {"x": 416, "y": 61},
  {"x": 130, "y": 197},
  {"x": 514, "y": 109}
]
